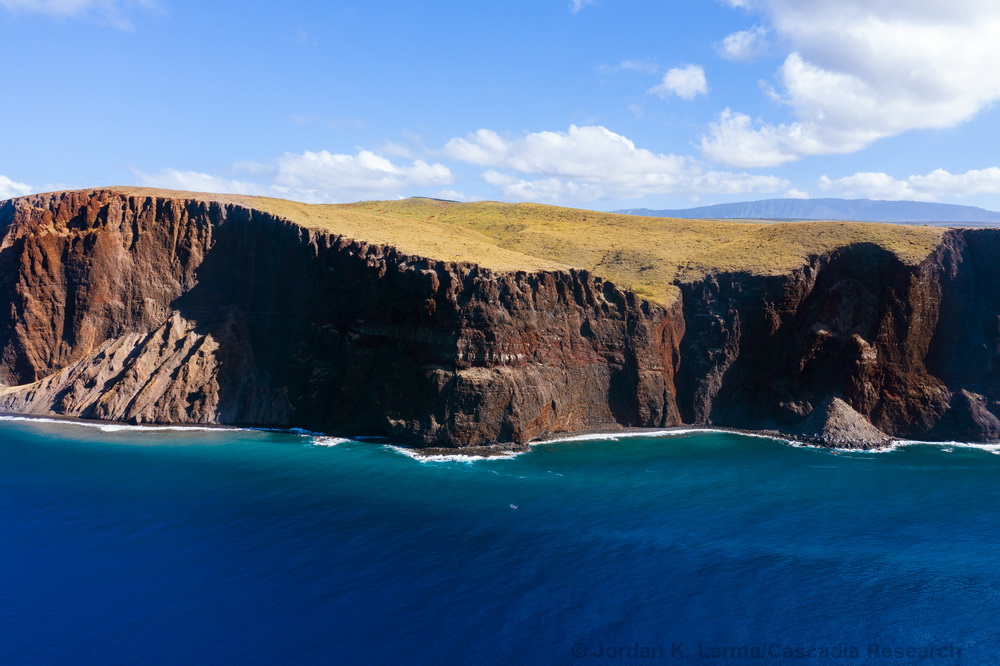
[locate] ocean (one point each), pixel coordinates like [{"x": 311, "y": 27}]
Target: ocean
[{"x": 170, "y": 546}]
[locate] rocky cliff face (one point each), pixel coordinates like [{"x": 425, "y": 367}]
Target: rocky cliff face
[
  {"x": 146, "y": 309},
  {"x": 908, "y": 349},
  {"x": 155, "y": 310}
]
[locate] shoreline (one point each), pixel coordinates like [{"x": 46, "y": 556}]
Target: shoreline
[
  {"x": 510, "y": 451},
  {"x": 498, "y": 451},
  {"x": 117, "y": 426}
]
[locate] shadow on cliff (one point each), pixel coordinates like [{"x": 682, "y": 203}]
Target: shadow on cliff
[
  {"x": 764, "y": 351},
  {"x": 14, "y": 366},
  {"x": 970, "y": 315},
  {"x": 333, "y": 334},
  {"x": 310, "y": 333},
  {"x": 965, "y": 352}
]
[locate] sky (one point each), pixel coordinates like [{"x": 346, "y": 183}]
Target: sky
[{"x": 600, "y": 104}]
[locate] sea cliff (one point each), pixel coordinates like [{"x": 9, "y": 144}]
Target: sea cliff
[{"x": 156, "y": 307}]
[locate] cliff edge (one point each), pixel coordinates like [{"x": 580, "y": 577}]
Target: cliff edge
[{"x": 444, "y": 324}]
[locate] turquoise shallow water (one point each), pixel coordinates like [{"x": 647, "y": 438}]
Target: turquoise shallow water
[{"x": 240, "y": 546}]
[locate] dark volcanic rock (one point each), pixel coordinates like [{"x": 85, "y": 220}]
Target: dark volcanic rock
[
  {"x": 968, "y": 420},
  {"x": 150, "y": 309},
  {"x": 144, "y": 309},
  {"x": 837, "y": 424},
  {"x": 895, "y": 341}
]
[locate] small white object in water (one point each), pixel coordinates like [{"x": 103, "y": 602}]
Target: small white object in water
[{"x": 513, "y": 506}]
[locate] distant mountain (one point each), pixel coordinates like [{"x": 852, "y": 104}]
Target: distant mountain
[{"x": 864, "y": 210}]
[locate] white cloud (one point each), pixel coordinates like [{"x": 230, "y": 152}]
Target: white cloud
[
  {"x": 745, "y": 44},
  {"x": 577, "y": 5},
  {"x": 10, "y": 188},
  {"x": 579, "y": 152},
  {"x": 454, "y": 195},
  {"x": 861, "y": 70},
  {"x": 366, "y": 174},
  {"x": 930, "y": 187},
  {"x": 592, "y": 163},
  {"x": 735, "y": 141},
  {"x": 796, "y": 194},
  {"x": 316, "y": 177},
  {"x": 111, "y": 11},
  {"x": 686, "y": 82},
  {"x": 493, "y": 177}
]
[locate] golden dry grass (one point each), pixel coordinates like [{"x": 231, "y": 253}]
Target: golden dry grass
[{"x": 648, "y": 255}]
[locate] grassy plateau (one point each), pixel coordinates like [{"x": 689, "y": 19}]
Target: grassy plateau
[{"x": 645, "y": 254}]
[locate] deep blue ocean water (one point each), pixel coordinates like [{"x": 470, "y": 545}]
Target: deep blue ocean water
[{"x": 189, "y": 547}]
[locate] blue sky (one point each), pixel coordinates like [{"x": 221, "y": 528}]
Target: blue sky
[{"x": 599, "y": 104}]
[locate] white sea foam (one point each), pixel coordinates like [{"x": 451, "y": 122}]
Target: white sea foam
[
  {"x": 320, "y": 440},
  {"x": 993, "y": 448},
  {"x": 128, "y": 427},
  {"x": 896, "y": 444},
  {"x": 415, "y": 454},
  {"x": 892, "y": 445},
  {"x": 457, "y": 457},
  {"x": 38, "y": 419},
  {"x": 114, "y": 427},
  {"x": 617, "y": 435}
]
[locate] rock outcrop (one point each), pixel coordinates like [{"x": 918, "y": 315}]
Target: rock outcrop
[
  {"x": 898, "y": 344},
  {"x": 151, "y": 309},
  {"x": 835, "y": 423}
]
